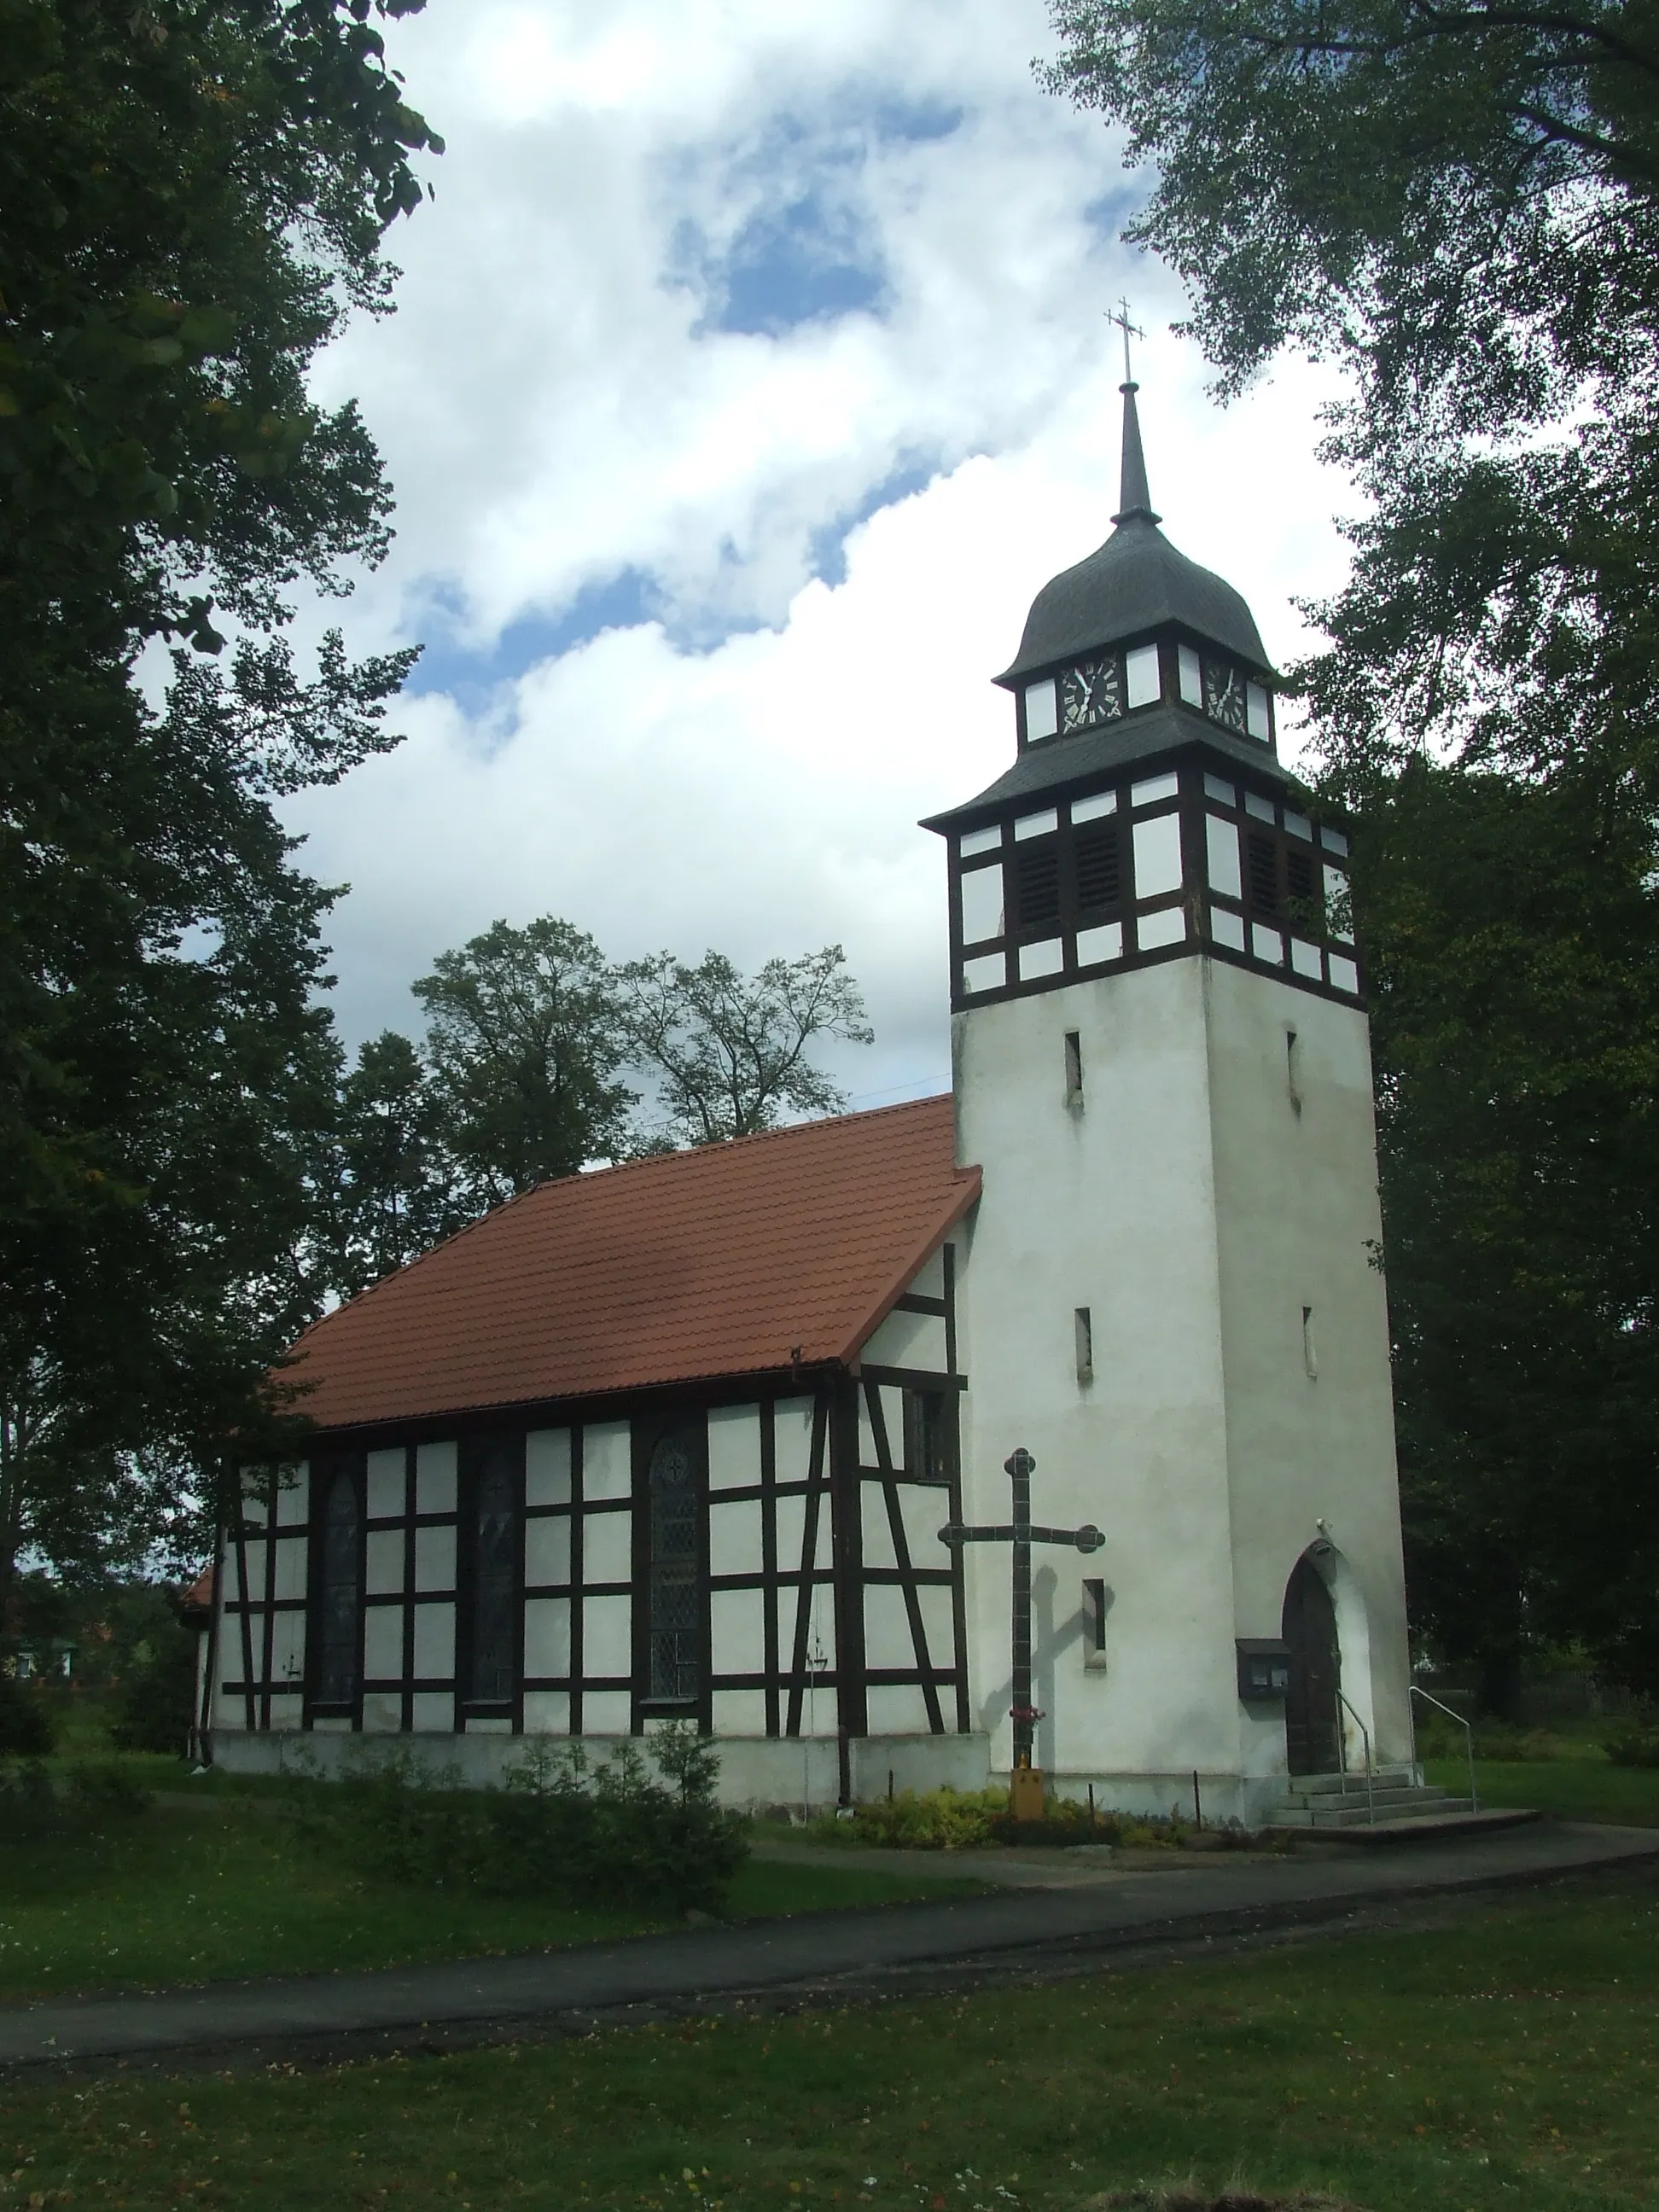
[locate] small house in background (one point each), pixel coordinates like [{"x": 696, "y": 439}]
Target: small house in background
[{"x": 678, "y": 1440}]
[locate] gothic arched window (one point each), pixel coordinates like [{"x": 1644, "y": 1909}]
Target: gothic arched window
[
  {"x": 675, "y": 1598},
  {"x": 493, "y": 1585},
  {"x": 338, "y": 1604}
]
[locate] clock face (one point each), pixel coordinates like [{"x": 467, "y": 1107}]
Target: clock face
[
  {"x": 1224, "y": 694},
  {"x": 1089, "y": 693}
]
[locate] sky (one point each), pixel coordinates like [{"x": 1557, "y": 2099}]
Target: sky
[{"x": 750, "y": 373}]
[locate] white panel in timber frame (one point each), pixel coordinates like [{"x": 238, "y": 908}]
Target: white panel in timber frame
[
  {"x": 383, "y": 1642},
  {"x": 385, "y": 1485},
  {"x": 293, "y": 1495},
  {"x": 607, "y": 1646},
  {"x": 383, "y": 1712},
  {"x": 820, "y": 1606},
  {"x": 791, "y": 1422},
  {"x": 735, "y": 1537},
  {"x": 287, "y": 1710},
  {"x": 739, "y": 1712},
  {"x": 435, "y": 1642},
  {"x": 607, "y": 1712},
  {"x": 607, "y": 1547},
  {"x": 546, "y": 1636},
  {"x": 906, "y": 1339},
  {"x": 288, "y": 1648},
  {"x": 734, "y": 1447},
  {"x": 738, "y": 1630},
  {"x": 607, "y": 1460},
  {"x": 434, "y": 1477},
  {"x": 547, "y": 1550},
  {"x": 435, "y": 1558},
  {"x": 433, "y": 1711},
  {"x": 792, "y": 1532},
  {"x": 887, "y": 1641},
  {"x": 546, "y": 1712},
  {"x": 547, "y": 1467},
  {"x": 384, "y": 1569},
  {"x": 878, "y": 1533},
  {"x": 291, "y": 1559},
  {"x": 897, "y": 1709}
]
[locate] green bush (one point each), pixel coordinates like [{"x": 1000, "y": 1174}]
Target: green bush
[
  {"x": 607, "y": 1833},
  {"x": 88, "y": 1798},
  {"x": 963, "y": 1821},
  {"x": 26, "y": 1723},
  {"x": 1637, "y": 1745},
  {"x": 154, "y": 1690}
]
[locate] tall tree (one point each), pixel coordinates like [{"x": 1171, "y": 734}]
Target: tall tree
[
  {"x": 524, "y": 1034},
  {"x": 1457, "y": 206},
  {"x": 395, "y": 1193},
  {"x": 729, "y": 1053},
  {"x": 193, "y": 196}
]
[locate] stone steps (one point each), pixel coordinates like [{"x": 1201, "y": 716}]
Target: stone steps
[{"x": 1343, "y": 1801}]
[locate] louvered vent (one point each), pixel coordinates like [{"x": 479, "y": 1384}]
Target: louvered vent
[
  {"x": 1096, "y": 868},
  {"x": 1299, "y": 867},
  {"x": 1039, "y": 885},
  {"x": 1264, "y": 873}
]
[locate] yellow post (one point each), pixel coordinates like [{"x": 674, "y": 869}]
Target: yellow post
[{"x": 1025, "y": 1793}]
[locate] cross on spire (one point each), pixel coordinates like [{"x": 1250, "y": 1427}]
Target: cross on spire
[{"x": 1120, "y": 320}]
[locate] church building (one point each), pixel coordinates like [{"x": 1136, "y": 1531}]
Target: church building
[{"x": 679, "y": 1438}]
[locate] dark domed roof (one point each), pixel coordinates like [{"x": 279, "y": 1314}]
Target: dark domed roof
[{"x": 1135, "y": 582}]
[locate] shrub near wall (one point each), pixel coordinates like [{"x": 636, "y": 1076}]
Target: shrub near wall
[{"x": 585, "y": 1833}]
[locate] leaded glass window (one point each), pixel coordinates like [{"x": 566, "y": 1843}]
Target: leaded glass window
[
  {"x": 493, "y": 1582},
  {"x": 339, "y": 1592},
  {"x": 676, "y": 1606}
]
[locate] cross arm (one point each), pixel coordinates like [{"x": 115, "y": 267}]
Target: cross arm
[
  {"x": 958, "y": 1532},
  {"x": 1086, "y": 1539}
]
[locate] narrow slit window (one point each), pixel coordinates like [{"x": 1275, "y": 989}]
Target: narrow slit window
[
  {"x": 1310, "y": 1349},
  {"x": 1073, "y": 1068},
  {"x": 1083, "y": 1332},
  {"x": 926, "y": 1437},
  {"x": 1094, "y": 1612},
  {"x": 676, "y": 1610},
  {"x": 1293, "y": 1070},
  {"x": 339, "y": 1594},
  {"x": 493, "y": 1582}
]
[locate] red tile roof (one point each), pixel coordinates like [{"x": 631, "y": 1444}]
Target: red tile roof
[{"x": 719, "y": 1261}]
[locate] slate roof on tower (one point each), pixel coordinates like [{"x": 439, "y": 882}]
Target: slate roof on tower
[
  {"x": 1136, "y": 582},
  {"x": 731, "y": 1259},
  {"x": 1133, "y": 586}
]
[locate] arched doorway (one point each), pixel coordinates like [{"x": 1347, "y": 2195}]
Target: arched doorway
[{"x": 1311, "y": 1718}]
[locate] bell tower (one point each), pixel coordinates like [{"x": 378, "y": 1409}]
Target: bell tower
[{"x": 1170, "y": 1294}]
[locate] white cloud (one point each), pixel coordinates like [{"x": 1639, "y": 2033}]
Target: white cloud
[{"x": 559, "y": 407}]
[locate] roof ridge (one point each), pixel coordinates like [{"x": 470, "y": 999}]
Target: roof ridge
[
  {"x": 592, "y": 1174},
  {"x": 723, "y": 1144}
]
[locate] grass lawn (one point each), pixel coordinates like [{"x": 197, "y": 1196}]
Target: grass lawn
[
  {"x": 182, "y": 1896},
  {"x": 1576, "y": 1788},
  {"x": 1507, "y": 2058}
]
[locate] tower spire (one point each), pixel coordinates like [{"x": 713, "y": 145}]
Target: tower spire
[{"x": 1134, "y": 500}]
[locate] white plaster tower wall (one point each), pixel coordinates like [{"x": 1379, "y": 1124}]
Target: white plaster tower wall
[
  {"x": 1306, "y": 1337},
  {"x": 1106, "y": 1204}
]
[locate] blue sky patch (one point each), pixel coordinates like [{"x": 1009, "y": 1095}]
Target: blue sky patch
[
  {"x": 829, "y": 541},
  {"x": 471, "y": 673}
]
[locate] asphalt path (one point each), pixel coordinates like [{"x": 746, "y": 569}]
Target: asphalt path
[{"x": 820, "y": 1954}]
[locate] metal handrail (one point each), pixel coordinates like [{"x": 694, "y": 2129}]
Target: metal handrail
[
  {"x": 1341, "y": 1752},
  {"x": 1468, "y": 1738}
]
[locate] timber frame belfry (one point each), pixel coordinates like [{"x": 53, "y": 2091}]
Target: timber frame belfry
[{"x": 754, "y": 1550}]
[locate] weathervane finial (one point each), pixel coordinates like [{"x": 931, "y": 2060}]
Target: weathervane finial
[{"x": 1130, "y": 331}]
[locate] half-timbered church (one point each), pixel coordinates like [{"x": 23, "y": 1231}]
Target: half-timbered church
[{"x": 678, "y": 1439}]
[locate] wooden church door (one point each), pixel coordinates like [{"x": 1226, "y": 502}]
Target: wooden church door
[{"x": 1310, "y": 1706}]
